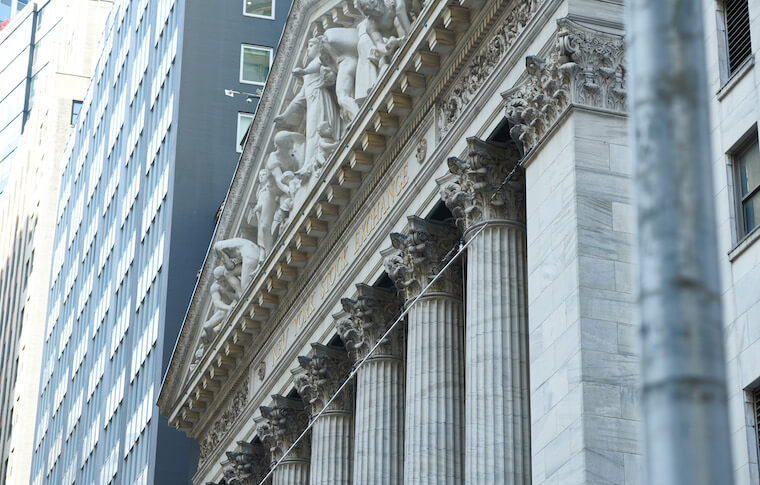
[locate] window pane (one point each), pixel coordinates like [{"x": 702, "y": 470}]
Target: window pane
[
  {"x": 244, "y": 120},
  {"x": 258, "y": 7},
  {"x": 752, "y": 212},
  {"x": 255, "y": 65},
  {"x": 749, "y": 169}
]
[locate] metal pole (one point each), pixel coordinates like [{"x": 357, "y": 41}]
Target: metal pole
[{"x": 685, "y": 418}]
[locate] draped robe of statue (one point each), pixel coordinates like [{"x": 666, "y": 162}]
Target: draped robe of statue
[{"x": 317, "y": 99}]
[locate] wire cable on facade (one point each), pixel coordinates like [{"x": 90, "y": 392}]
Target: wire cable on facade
[{"x": 451, "y": 256}]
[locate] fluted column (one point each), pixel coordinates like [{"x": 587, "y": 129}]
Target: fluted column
[
  {"x": 434, "y": 425},
  {"x": 318, "y": 379},
  {"x": 497, "y": 391},
  {"x": 379, "y": 418},
  {"x": 283, "y": 424}
]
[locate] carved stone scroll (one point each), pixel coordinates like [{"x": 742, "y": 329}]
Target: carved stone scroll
[
  {"x": 366, "y": 319},
  {"x": 284, "y": 423},
  {"x": 586, "y": 68},
  {"x": 320, "y": 375},
  {"x": 477, "y": 195},
  {"x": 420, "y": 254}
]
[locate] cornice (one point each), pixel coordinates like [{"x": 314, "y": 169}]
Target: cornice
[{"x": 176, "y": 391}]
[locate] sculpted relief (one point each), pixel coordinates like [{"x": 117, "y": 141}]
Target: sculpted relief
[{"x": 341, "y": 67}]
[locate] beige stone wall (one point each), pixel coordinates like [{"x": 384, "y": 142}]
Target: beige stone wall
[{"x": 32, "y": 195}]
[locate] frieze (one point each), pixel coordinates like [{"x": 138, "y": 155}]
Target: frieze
[
  {"x": 221, "y": 426},
  {"x": 484, "y": 62}
]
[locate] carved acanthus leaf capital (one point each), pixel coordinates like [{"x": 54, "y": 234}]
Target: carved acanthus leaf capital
[
  {"x": 248, "y": 465},
  {"x": 586, "y": 68},
  {"x": 320, "y": 375},
  {"x": 284, "y": 422},
  {"x": 477, "y": 195},
  {"x": 364, "y": 321},
  {"x": 420, "y": 254}
]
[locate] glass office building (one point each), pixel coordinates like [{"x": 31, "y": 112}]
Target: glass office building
[
  {"x": 22, "y": 59},
  {"x": 148, "y": 165}
]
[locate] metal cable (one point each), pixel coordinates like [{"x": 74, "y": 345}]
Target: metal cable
[{"x": 454, "y": 253}]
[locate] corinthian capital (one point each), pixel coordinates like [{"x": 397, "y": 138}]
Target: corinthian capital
[
  {"x": 283, "y": 424},
  {"x": 320, "y": 375},
  {"x": 586, "y": 68},
  {"x": 476, "y": 195},
  {"x": 364, "y": 321},
  {"x": 246, "y": 466},
  {"x": 420, "y": 254}
]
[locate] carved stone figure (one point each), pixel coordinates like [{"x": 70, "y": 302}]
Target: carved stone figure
[
  {"x": 315, "y": 100},
  {"x": 242, "y": 253},
  {"x": 247, "y": 466},
  {"x": 222, "y": 299},
  {"x": 279, "y": 183},
  {"x": 376, "y": 39},
  {"x": 339, "y": 50}
]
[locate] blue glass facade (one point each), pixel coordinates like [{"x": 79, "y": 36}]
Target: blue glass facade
[{"x": 147, "y": 167}]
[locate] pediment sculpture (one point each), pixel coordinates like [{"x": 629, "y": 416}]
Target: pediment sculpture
[{"x": 341, "y": 67}]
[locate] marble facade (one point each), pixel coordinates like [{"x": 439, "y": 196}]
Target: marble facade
[{"x": 378, "y": 151}]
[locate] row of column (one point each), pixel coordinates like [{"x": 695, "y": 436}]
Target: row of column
[{"x": 449, "y": 405}]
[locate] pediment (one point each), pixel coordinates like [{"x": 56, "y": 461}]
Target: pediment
[{"x": 308, "y": 106}]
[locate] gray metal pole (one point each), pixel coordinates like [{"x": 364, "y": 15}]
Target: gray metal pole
[{"x": 685, "y": 418}]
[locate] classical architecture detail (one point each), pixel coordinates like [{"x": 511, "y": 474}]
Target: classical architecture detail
[
  {"x": 247, "y": 466},
  {"x": 320, "y": 375},
  {"x": 477, "y": 194},
  {"x": 223, "y": 424},
  {"x": 420, "y": 254},
  {"x": 366, "y": 319},
  {"x": 284, "y": 423},
  {"x": 421, "y": 152},
  {"x": 586, "y": 67},
  {"x": 484, "y": 62}
]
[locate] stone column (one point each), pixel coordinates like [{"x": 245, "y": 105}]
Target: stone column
[
  {"x": 434, "y": 426},
  {"x": 284, "y": 423},
  {"x": 379, "y": 429},
  {"x": 317, "y": 380},
  {"x": 496, "y": 328}
]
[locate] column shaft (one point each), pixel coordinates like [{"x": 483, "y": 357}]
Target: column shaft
[
  {"x": 379, "y": 447},
  {"x": 497, "y": 391},
  {"x": 291, "y": 472},
  {"x": 434, "y": 429},
  {"x": 331, "y": 449}
]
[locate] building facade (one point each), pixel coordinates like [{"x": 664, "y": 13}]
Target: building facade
[
  {"x": 24, "y": 43},
  {"x": 27, "y": 208},
  {"x": 9, "y": 8},
  {"x": 424, "y": 268},
  {"x": 137, "y": 182}
]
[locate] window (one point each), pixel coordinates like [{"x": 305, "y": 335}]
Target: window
[
  {"x": 243, "y": 122},
  {"x": 747, "y": 162},
  {"x": 76, "y": 107},
  {"x": 259, "y": 8},
  {"x": 737, "y": 33},
  {"x": 254, "y": 64}
]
